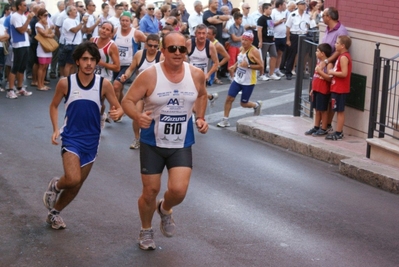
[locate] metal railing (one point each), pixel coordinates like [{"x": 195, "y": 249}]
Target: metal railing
[{"x": 384, "y": 103}]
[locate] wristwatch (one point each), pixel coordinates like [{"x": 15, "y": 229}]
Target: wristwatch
[
  {"x": 249, "y": 66},
  {"x": 326, "y": 61}
]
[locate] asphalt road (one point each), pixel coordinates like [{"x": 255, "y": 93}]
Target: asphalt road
[{"x": 249, "y": 203}]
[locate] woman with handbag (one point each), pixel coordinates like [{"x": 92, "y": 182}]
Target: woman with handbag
[{"x": 44, "y": 57}]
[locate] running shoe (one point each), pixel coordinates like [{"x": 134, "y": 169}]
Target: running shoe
[
  {"x": 11, "y": 94},
  {"x": 319, "y": 132},
  {"x": 311, "y": 131},
  {"x": 224, "y": 123},
  {"x": 258, "y": 108},
  {"x": 274, "y": 77},
  {"x": 167, "y": 225},
  {"x": 146, "y": 240},
  {"x": 23, "y": 92},
  {"x": 135, "y": 144},
  {"x": 263, "y": 78},
  {"x": 334, "y": 136},
  {"x": 50, "y": 196},
  {"x": 55, "y": 221},
  {"x": 279, "y": 73},
  {"x": 215, "y": 96}
]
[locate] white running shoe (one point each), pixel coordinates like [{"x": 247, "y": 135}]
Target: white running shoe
[
  {"x": 279, "y": 73},
  {"x": 11, "y": 94},
  {"x": 135, "y": 144},
  {"x": 224, "y": 123},
  {"x": 274, "y": 77},
  {"x": 55, "y": 221},
  {"x": 263, "y": 78},
  {"x": 257, "y": 109},
  {"x": 23, "y": 92},
  {"x": 215, "y": 96}
]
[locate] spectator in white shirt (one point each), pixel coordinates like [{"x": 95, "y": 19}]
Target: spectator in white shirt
[
  {"x": 195, "y": 18},
  {"x": 279, "y": 17},
  {"x": 247, "y": 20}
]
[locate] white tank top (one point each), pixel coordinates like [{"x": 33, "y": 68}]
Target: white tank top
[
  {"x": 127, "y": 46},
  {"x": 104, "y": 52},
  {"x": 145, "y": 64},
  {"x": 171, "y": 105},
  {"x": 245, "y": 76},
  {"x": 199, "y": 58}
]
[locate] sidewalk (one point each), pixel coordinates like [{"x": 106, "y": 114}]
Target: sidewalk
[{"x": 349, "y": 154}]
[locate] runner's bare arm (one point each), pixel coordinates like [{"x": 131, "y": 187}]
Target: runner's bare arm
[
  {"x": 141, "y": 87},
  {"x": 61, "y": 90},
  {"x": 202, "y": 99},
  {"x": 214, "y": 57},
  {"x": 108, "y": 92},
  {"x": 135, "y": 62}
]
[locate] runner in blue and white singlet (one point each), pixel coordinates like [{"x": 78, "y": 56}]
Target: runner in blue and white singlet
[
  {"x": 83, "y": 94},
  {"x": 170, "y": 89},
  {"x": 172, "y": 125}
]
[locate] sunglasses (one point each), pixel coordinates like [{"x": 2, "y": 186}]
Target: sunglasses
[
  {"x": 45, "y": 15},
  {"x": 151, "y": 8},
  {"x": 81, "y": 6},
  {"x": 174, "y": 48},
  {"x": 152, "y": 46},
  {"x": 168, "y": 24}
]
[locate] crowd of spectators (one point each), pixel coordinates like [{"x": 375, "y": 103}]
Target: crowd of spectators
[{"x": 277, "y": 23}]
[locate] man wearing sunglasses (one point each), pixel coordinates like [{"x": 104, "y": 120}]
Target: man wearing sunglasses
[
  {"x": 149, "y": 23},
  {"x": 142, "y": 60},
  {"x": 170, "y": 89}
]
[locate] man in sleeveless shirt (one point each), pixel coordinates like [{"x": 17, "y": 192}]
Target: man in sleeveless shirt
[
  {"x": 127, "y": 40},
  {"x": 109, "y": 61},
  {"x": 170, "y": 89},
  {"x": 142, "y": 60},
  {"x": 223, "y": 56},
  {"x": 83, "y": 93},
  {"x": 200, "y": 50},
  {"x": 248, "y": 62}
]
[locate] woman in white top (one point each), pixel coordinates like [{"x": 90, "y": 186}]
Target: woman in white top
[{"x": 44, "y": 57}]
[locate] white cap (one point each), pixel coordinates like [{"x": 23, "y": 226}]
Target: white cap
[{"x": 298, "y": 2}]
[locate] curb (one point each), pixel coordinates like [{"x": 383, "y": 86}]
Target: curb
[{"x": 350, "y": 164}]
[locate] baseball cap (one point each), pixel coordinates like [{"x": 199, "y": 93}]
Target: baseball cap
[
  {"x": 300, "y": 2},
  {"x": 247, "y": 36}
]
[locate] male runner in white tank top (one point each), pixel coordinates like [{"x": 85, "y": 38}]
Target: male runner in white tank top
[
  {"x": 127, "y": 40},
  {"x": 200, "y": 51},
  {"x": 170, "y": 89},
  {"x": 109, "y": 61},
  {"x": 142, "y": 60}
]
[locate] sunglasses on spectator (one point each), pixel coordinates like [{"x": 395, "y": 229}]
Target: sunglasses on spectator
[
  {"x": 152, "y": 46},
  {"x": 151, "y": 8},
  {"x": 81, "y": 6},
  {"x": 45, "y": 15},
  {"x": 168, "y": 24},
  {"x": 174, "y": 48}
]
